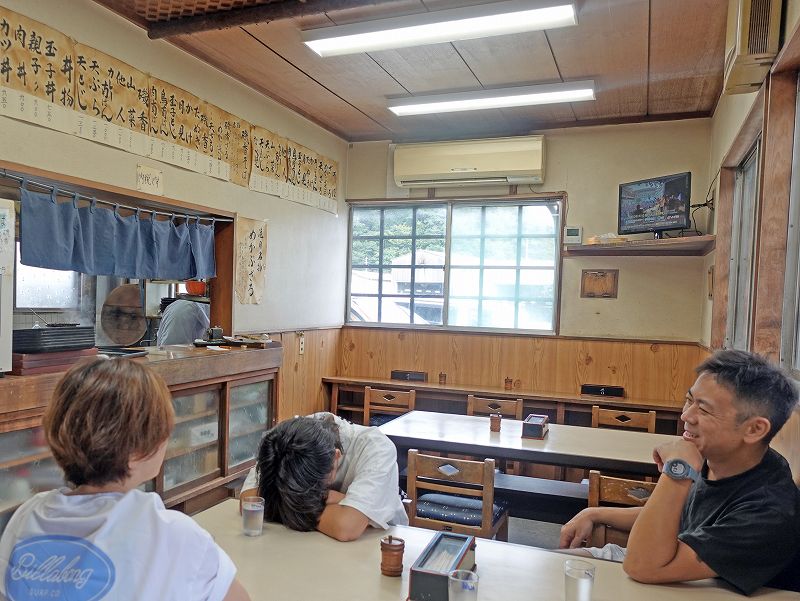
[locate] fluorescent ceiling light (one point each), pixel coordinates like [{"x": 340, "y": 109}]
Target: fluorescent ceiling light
[
  {"x": 575, "y": 91},
  {"x": 467, "y": 23}
]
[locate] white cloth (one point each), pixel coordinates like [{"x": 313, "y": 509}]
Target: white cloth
[
  {"x": 183, "y": 321},
  {"x": 109, "y": 546},
  {"x": 610, "y": 551},
  {"x": 367, "y": 474}
]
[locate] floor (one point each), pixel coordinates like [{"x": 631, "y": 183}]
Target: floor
[{"x": 533, "y": 534}]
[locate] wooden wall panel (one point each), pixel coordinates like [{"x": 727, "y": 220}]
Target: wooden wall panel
[
  {"x": 300, "y": 389},
  {"x": 774, "y": 214},
  {"x": 654, "y": 371}
]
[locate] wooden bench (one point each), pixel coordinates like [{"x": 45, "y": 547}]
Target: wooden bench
[{"x": 538, "y": 499}]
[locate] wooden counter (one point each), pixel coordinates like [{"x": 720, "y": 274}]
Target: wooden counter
[
  {"x": 454, "y": 396},
  {"x": 224, "y": 400},
  {"x": 24, "y": 397}
]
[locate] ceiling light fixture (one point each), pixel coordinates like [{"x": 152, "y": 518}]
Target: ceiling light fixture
[
  {"x": 467, "y": 23},
  {"x": 575, "y": 91}
]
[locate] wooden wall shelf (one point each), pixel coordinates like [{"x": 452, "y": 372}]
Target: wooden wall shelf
[{"x": 692, "y": 246}]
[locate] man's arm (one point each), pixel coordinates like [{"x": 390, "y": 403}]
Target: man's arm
[
  {"x": 579, "y": 529},
  {"x": 655, "y": 555},
  {"x": 342, "y": 522},
  {"x": 236, "y": 592}
]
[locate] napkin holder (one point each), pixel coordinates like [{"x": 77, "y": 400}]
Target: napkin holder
[
  {"x": 447, "y": 551},
  {"x": 535, "y": 426}
]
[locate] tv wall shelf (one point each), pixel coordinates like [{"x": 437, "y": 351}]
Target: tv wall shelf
[{"x": 690, "y": 246}]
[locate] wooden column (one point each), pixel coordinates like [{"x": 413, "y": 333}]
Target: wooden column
[
  {"x": 773, "y": 219},
  {"x": 222, "y": 285},
  {"x": 722, "y": 258}
]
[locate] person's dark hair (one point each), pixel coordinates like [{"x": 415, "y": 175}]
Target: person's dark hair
[
  {"x": 294, "y": 462},
  {"x": 758, "y": 387}
]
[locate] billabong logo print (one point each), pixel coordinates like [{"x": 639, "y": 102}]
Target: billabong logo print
[{"x": 58, "y": 567}]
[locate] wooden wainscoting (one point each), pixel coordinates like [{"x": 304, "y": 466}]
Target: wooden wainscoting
[
  {"x": 300, "y": 389},
  {"x": 647, "y": 370}
]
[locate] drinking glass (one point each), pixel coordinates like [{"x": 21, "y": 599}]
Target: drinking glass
[
  {"x": 578, "y": 580},
  {"x": 462, "y": 585},
  {"x": 252, "y": 515}
]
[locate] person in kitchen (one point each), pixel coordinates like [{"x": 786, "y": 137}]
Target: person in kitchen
[
  {"x": 186, "y": 319},
  {"x": 725, "y": 505}
]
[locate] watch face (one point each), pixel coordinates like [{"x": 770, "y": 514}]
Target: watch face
[{"x": 677, "y": 468}]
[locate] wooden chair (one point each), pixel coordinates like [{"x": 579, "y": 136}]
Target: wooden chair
[
  {"x": 461, "y": 497},
  {"x": 511, "y": 408},
  {"x": 508, "y": 408},
  {"x": 624, "y": 418},
  {"x": 607, "y": 490},
  {"x": 394, "y": 402}
]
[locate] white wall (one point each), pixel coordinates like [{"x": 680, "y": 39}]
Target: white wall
[
  {"x": 305, "y": 279},
  {"x": 659, "y": 297}
]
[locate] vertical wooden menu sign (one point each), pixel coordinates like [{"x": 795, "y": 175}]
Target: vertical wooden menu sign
[
  {"x": 268, "y": 173},
  {"x": 37, "y": 72},
  {"x": 111, "y": 100},
  {"x": 251, "y": 260}
]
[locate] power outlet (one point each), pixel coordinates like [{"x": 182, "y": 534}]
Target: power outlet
[{"x": 301, "y": 343}]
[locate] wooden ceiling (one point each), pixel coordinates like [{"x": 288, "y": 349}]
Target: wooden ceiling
[{"x": 650, "y": 60}]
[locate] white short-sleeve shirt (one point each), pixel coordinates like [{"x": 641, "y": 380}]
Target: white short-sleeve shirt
[
  {"x": 367, "y": 474},
  {"x": 109, "y": 547}
]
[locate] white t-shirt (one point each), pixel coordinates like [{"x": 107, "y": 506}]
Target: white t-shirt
[
  {"x": 109, "y": 546},
  {"x": 367, "y": 474}
]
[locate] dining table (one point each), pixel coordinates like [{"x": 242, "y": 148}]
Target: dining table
[
  {"x": 602, "y": 449},
  {"x": 285, "y": 565}
]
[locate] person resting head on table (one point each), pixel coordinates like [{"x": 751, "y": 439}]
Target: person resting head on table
[
  {"x": 725, "y": 504},
  {"x": 101, "y": 538},
  {"x": 322, "y": 472}
]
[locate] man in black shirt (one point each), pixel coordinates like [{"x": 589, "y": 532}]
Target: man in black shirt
[{"x": 726, "y": 504}]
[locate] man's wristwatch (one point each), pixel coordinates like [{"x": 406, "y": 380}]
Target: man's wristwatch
[{"x": 678, "y": 469}]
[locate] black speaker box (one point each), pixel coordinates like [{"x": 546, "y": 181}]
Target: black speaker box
[
  {"x": 410, "y": 376},
  {"x": 601, "y": 390}
]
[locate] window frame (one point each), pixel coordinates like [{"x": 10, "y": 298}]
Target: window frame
[
  {"x": 559, "y": 199},
  {"x": 790, "y": 324},
  {"x": 25, "y": 310},
  {"x": 740, "y": 205}
]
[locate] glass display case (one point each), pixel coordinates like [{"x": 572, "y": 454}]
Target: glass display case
[
  {"x": 26, "y": 468},
  {"x": 193, "y": 447},
  {"x": 248, "y": 420},
  {"x": 223, "y": 403}
]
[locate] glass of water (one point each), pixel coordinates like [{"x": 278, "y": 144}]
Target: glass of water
[
  {"x": 252, "y": 515},
  {"x": 578, "y": 580},
  {"x": 462, "y": 585}
]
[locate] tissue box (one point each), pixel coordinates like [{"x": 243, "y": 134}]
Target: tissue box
[{"x": 535, "y": 426}]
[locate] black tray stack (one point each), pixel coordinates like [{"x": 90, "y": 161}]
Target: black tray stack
[{"x": 52, "y": 339}]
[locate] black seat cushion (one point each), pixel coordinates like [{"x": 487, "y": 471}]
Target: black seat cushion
[
  {"x": 378, "y": 419},
  {"x": 456, "y": 509}
]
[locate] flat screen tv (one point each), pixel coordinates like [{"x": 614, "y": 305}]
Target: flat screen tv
[{"x": 655, "y": 205}]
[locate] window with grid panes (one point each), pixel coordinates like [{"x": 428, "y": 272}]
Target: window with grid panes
[{"x": 461, "y": 264}]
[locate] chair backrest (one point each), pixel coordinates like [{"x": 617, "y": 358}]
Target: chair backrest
[
  {"x": 607, "y": 490},
  {"x": 387, "y": 401},
  {"x": 511, "y": 408},
  {"x": 445, "y": 475},
  {"x": 624, "y": 418}
]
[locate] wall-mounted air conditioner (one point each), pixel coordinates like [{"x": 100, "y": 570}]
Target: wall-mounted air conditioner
[
  {"x": 757, "y": 42},
  {"x": 500, "y": 161}
]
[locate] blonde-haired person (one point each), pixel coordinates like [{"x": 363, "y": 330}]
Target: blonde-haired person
[{"x": 102, "y": 538}]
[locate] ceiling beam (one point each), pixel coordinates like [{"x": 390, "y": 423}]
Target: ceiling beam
[{"x": 278, "y": 9}]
